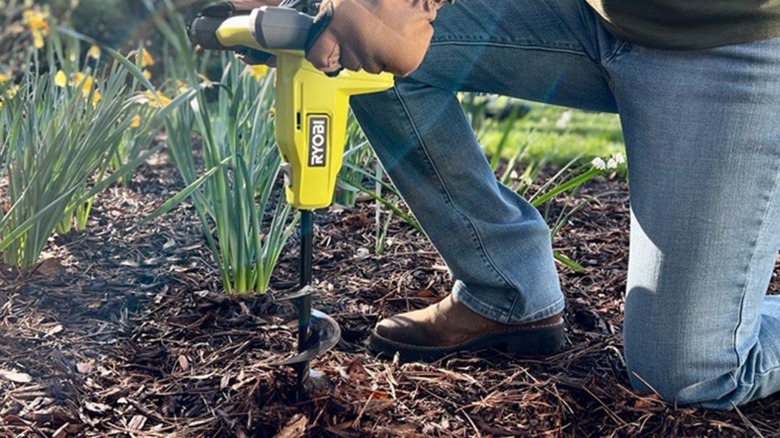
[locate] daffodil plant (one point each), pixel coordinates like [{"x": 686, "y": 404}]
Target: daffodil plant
[
  {"x": 57, "y": 138},
  {"x": 231, "y": 164},
  {"x": 58, "y": 132},
  {"x": 245, "y": 227}
]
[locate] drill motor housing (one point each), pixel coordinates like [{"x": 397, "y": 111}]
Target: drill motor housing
[{"x": 312, "y": 108}]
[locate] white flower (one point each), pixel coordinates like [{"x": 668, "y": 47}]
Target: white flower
[
  {"x": 563, "y": 120},
  {"x": 619, "y": 158},
  {"x": 598, "y": 163},
  {"x": 612, "y": 164}
]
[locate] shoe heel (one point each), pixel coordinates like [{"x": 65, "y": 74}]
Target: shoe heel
[{"x": 544, "y": 340}]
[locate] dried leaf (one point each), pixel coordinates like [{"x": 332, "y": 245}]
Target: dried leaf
[
  {"x": 49, "y": 266},
  {"x": 295, "y": 428},
  {"x": 355, "y": 365},
  {"x": 426, "y": 293},
  {"x": 356, "y": 370},
  {"x": 15, "y": 377},
  {"x": 189, "y": 247},
  {"x": 379, "y": 395},
  {"x": 184, "y": 364},
  {"x": 152, "y": 261},
  {"x": 170, "y": 243},
  {"x": 137, "y": 423},
  {"x": 97, "y": 408},
  {"x": 181, "y": 269},
  {"x": 54, "y": 330},
  {"x": 84, "y": 367}
]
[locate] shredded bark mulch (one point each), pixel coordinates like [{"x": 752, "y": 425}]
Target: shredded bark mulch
[{"x": 123, "y": 331}]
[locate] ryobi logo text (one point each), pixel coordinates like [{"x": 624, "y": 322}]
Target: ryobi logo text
[{"x": 318, "y": 140}]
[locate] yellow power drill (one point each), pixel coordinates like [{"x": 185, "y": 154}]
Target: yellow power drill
[{"x": 311, "y": 123}]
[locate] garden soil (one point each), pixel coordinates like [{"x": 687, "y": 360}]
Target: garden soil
[{"x": 123, "y": 331}]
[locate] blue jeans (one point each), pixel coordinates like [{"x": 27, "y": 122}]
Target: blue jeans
[{"x": 702, "y": 131}]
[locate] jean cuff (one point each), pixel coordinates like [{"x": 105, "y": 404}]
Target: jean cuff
[{"x": 510, "y": 313}]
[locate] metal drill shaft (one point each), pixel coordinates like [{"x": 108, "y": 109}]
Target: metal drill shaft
[{"x": 304, "y": 303}]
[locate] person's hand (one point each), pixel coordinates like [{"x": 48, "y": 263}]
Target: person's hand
[{"x": 373, "y": 35}]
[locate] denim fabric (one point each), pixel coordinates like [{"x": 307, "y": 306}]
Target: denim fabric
[{"x": 702, "y": 131}]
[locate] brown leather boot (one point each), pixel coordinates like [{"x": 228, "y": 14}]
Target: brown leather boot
[{"x": 449, "y": 327}]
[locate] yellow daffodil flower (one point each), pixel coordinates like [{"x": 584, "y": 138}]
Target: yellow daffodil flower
[
  {"x": 136, "y": 122},
  {"x": 258, "y": 71},
  {"x": 156, "y": 100},
  {"x": 76, "y": 78},
  {"x": 4, "y": 77},
  {"x": 60, "y": 79},
  {"x": 146, "y": 58},
  {"x": 86, "y": 82},
  {"x": 181, "y": 86},
  {"x": 9, "y": 94},
  {"x": 36, "y": 22},
  {"x": 94, "y": 52}
]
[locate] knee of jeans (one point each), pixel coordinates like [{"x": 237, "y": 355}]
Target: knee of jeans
[
  {"x": 680, "y": 378},
  {"x": 653, "y": 375}
]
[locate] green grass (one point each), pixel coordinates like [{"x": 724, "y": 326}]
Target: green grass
[{"x": 586, "y": 134}]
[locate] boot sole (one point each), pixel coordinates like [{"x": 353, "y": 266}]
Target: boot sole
[{"x": 543, "y": 340}]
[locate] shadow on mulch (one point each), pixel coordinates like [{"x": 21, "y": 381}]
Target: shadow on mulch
[{"x": 124, "y": 332}]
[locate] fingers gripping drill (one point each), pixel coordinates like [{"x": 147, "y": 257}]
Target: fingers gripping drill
[{"x": 311, "y": 122}]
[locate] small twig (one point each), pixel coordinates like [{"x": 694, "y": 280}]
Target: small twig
[
  {"x": 476, "y": 430},
  {"x": 747, "y": 422},
  {"x": 356, "y": 423},
  {"x": 611, "y": 413}
]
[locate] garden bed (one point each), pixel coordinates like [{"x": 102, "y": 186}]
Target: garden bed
[{"x": 123, "y": 331}]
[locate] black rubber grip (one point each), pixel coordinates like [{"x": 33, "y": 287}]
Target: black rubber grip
[
  {"x": 203, "y": 32},
  {"x": 220, "y": 10}
]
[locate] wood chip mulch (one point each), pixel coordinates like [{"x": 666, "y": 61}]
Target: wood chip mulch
[{"x": 123, "y": 331}]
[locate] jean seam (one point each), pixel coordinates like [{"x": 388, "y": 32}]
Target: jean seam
[
  {"x": 750, "y": 264},
  {"x": 619, "y": 49},
  {"x": 774, "y": 369},
  {"x": 496, "y": 44},
  {"x": 475, "y": 234},
  {"x": 578, "y": 36}
]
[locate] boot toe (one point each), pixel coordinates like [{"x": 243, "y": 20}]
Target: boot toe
[
  {"x": 386, "y": 327},
  {"x": 402, "y": 330}
]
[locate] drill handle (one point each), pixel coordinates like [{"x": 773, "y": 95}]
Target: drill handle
[
  {"x": 269, "y": 29},
  {"x": 282, "y": 28}
]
